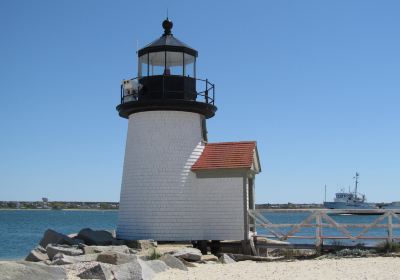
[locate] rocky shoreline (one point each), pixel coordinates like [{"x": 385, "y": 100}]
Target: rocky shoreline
[
  {"x": 92, "y": 254},
  {"x": 98, "y": 254}
]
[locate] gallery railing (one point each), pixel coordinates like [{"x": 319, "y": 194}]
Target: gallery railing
[{"x": 134, "y": 90}]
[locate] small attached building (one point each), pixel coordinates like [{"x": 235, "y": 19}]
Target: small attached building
[{"x": 238, "y": 162}]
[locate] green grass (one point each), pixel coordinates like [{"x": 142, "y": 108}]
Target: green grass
[{"x": 154, "y": 254}]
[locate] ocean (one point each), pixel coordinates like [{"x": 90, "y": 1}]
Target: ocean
[{"x": 21, "y": 230}]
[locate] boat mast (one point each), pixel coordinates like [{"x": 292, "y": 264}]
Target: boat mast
[{"x": 355, "y": 192}]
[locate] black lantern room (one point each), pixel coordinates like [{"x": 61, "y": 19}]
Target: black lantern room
[{"x": 167, "y": 80}]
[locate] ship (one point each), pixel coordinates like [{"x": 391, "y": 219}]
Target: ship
[{"x": 350, "y": 199}]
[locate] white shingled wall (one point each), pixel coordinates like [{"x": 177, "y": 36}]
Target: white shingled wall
[{"x": 161, "y": 198}]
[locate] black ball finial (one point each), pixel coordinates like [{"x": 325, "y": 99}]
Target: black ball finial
[{"x": 167, "y": 25}]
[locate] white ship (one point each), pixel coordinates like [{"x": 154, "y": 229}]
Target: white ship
[{"x": 350, "y": 200}]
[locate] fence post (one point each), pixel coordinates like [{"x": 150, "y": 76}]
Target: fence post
[
  {"x": 318, "y": 232},
  {"x": 390, "y": 227}
]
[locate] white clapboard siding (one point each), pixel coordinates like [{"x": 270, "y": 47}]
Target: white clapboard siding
[{"x": 161, "y": 198}]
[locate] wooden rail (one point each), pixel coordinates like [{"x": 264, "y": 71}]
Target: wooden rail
[{"x": 320, "y": 219}]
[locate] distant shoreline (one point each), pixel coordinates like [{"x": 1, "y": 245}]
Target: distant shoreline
[{"x": 75, "y": 209}]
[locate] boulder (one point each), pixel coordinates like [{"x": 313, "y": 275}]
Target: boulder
[
  {"x": 29, "y": 270},
  {"x": 188, "y": 254},
  {"x": 115, "y": 258},
  {"x": 173, "y": 262},
  {"x": 157, "y": 266},
  {"x": 37, "y": 255},
  {"x": 79, "y": 241},
  {"x": 96, "y": 237},
  {"x": 188, "y": 264},
  {"x": 41, "y": 249},
  {"x": 113, "y": 233},
  {"x": 100, "y": 249},
  {"x": 98, "y": 271},
  {"x": 52, "y": 237},
  {"x": 61, "y": 259},
  {"x": 209, "y": 258},
  {"x": 132, "y": 271},
  {"x": 52, "y": 250},
  {"x": 146, "y": 271},
  {"x": 140, "y": 244},
  {"x": 225, "y": 259},
  {"x": 136, "y": 270}
]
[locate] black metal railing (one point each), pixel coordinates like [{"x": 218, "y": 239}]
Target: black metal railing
[{"x": 135, "y": 89}]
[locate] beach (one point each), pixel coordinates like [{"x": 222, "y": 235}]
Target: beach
[{"x": 345, "y": 268}]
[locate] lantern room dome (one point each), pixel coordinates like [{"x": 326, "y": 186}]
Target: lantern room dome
[{"x": 167, "y": 42}]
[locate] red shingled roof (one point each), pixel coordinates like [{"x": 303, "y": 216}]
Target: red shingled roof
[{"x": 226, "y": 155}]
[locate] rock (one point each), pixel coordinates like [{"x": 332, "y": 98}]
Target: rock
[
  {"x": 113, "y": 233},
  {"x": 116, "y": 258},
  {"x": 32, "y": 271},
  {"x": 52, "y": 250},
  {"x": 188, "y": 254},
  {"x": 100, "y": 249},
  {"x": 41, "y": 249},
  {"x": 157, "y": 266},
  {"x": 52, "y": 237},
  {"x": 133, "y": 251},
  {"x": 98, "y": 271},
  {"x": 225, "y": 259},
  {"x": 173, "y": 262},
  {"x": 188, "y": 264},
  {"x": 146, "y": 271},
  {"x": 38, "y": 254},
  {"x": 132, "y": 271},
  {"x": 136, "y": 270},
  {"x": 209, "y": 258},
  {"x": 140, "y": 244},
  {"x": 79, "y": 241},
  {"x": 96, "y": 237},
  {"x": 61, "y": 259},
  {"x": 118, "y": 242}
]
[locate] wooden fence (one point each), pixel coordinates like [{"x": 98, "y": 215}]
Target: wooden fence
[{"x": 321, "y": 219}]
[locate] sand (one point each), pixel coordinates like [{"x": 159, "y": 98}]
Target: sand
[{"x": 325, "y": 269}]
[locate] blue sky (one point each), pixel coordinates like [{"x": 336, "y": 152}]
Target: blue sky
[{"x": 316, "y": 83}]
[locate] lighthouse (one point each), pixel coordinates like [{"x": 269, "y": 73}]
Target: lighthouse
[{"x": 175, "y": 185}]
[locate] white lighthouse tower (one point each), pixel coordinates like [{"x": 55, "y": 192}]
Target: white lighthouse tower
[{"x": 162, "y": 197}]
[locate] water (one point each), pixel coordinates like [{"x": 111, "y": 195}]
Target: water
[{"x": 21, "y": 230}]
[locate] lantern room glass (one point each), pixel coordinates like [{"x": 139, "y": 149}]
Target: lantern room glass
[
  {"x": 190, "y": 65},
  {"x": 174, "y": 63},
  {"x": 143, "y": 69},
  {"x": 156, "y": 63},
  {"x": 167, "y": 63}
]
